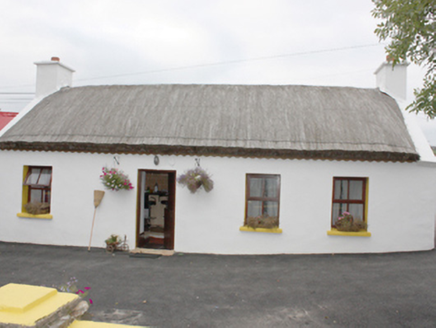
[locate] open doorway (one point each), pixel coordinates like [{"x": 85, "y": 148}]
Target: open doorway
[{"x": 155, "y": 213}]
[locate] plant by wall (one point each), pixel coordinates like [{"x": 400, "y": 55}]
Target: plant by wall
[
  {"x": 346, "y": 222},
  {"x": 71, "y": 286},
  {"x": 195, "y": 178},
  {"x": 37, "y": 208},
  {"x": 263, "y": 221},
  {"x": 114, "y": 179}
]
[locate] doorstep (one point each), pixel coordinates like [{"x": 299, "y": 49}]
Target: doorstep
[
  {"x": 164, "y": 252},
  {"x": 92, "y": 324}
]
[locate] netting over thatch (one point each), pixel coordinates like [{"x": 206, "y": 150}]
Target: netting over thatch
[{"x": 223, "y": 120}]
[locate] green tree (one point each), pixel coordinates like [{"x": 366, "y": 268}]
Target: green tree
[{"x": 411, "y": 27}]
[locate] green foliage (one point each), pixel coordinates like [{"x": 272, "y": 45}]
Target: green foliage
[
  {"x": 113, "y": 240},
  {"x": 411, "y": 27}
]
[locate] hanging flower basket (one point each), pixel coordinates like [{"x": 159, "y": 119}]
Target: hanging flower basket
[
  {"x": 114, "y": 179},
  {"x": 195, "y": 178}
]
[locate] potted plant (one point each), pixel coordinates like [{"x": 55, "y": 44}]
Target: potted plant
[
  {"x": 195, "y": 178},
  {"x": 37, "y": 208},
  {"x": 112, "y": 242},
  {"x": 346, "y": 222},
  {"x": 263, "y": 221},
  {"x": 114, "y": 179}
]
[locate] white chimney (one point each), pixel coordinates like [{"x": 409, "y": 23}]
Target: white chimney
[
  {"x": 51, "y": 76},
  {"x": 392, "y": 80}
]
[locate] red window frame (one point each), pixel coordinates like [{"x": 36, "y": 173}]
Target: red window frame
[
  {"x": 347, "y": 201},
  {"x": 263, "y": 199}
]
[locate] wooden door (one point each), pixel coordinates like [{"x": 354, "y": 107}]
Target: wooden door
[{"x": 169, "y": 215}]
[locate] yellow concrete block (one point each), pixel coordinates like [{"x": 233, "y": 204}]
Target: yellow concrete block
[
  {"x": 91, "y": 324},
  {"x": 26, "y": 305},
  {"x": 20, "y": 298}
]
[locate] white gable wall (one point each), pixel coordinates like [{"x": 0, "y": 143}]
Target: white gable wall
[{"x": 400, "y": 213}]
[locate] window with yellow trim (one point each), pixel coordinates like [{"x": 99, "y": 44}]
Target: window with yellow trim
[
  {"x": 37, "y": 189},
  {"x": 349, "y": 204},
  {"x": 262, "y": 201}
]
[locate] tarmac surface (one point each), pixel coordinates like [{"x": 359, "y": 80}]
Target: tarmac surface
[{"x": 197, "y": 290}]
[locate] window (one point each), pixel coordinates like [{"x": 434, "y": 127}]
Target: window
[
  {"x": 262, "y": 201},
  {"x": 37, "y": 189},
  {"x": 349, "y": 195}
]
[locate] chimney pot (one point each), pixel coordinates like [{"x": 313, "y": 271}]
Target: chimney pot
[{"x": 55, "y": 59}]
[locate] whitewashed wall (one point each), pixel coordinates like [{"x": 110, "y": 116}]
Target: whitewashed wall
[{"x": 401, "y": 211}]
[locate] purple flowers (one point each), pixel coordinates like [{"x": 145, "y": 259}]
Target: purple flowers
[
  {"x": 195, "y": 178},
  {"x": 71, "y": 287}
]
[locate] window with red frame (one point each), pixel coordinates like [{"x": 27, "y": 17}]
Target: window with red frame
[
  {"x": 349, "y": 195},
  {"x": 38, "y": 181},
  {"x": 262, "y": 195}
]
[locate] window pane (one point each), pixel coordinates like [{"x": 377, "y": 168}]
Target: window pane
[
  {"x": 271, "y": 187},
  {"x": 356, "y": 189},
  {"x": 35, "y": 196},
  {"x": 270, "y": 208},
  {"x": 44, "y": 179},
  {"x": 256, "y": 187},
  {"x": 46, "y": 196},
  {"x": 356, "y": 210},
  {"x": 341, "y": 189},
  {"x": 33, "y": 176},
  {"x": 254, "y": 208}
]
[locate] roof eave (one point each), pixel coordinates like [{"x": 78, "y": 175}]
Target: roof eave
[{"x": 333, "y": 154}]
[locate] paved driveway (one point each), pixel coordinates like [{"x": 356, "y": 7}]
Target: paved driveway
[{"x": 189, "y": 290}]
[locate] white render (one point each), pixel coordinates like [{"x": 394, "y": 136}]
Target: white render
[
  {"x": 401, "y": 204},
  {"x": 392, "y": 80}
]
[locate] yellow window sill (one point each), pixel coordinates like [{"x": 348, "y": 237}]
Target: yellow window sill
[
  {"x": 273, "y": 230},
  {"x": 35, "y": 216},
  {"x": 335, "y": 232}
]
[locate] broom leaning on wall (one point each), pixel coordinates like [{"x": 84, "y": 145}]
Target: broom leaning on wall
[{"x": 98, "y": 196}]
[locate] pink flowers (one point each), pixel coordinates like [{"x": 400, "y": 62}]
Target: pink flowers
[{"x": 113, "y": 179}]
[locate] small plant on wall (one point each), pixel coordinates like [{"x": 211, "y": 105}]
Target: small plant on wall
[
  {"x": 195, "y": 178},
  {"x": 114, "y": 179},
  {"x": 263, "y": 221},
  {"x": 346, "y": 222}
]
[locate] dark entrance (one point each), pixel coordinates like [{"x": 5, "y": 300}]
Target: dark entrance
[{"x": 156, "y": 208}]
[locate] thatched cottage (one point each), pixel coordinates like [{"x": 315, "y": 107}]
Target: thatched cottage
[{"x": 295, "y": 169}]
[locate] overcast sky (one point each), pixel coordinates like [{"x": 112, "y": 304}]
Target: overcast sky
[{"x": 309, "y": 42}]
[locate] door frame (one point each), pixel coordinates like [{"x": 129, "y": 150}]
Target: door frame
[{"x": 170, "y": 210}]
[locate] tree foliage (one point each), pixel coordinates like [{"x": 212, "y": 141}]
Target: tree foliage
[{"x": 411, "y": 27}]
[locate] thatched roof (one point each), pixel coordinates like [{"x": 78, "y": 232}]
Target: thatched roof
[{"x": 223, "y": 120}]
